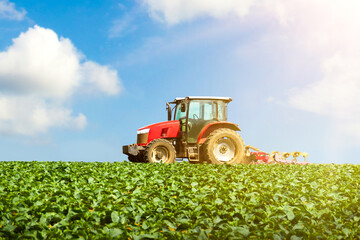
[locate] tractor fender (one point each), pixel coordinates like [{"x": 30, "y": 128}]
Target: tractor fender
[{"x": 205, "y": 132}]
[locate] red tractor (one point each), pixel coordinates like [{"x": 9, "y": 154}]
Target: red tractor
[{"x": 198, "y": 130}]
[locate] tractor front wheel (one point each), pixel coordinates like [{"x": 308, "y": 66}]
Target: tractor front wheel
[
  {"x": 137, "y": 159},
  {"x": 224, "y": 146},
  {"x": 160, "y": 151}
]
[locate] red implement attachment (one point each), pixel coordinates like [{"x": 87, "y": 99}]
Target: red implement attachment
[{"x": 258, "y": 157}]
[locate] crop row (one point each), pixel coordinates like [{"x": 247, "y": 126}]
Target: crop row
[{"x": 67, "y": 200}]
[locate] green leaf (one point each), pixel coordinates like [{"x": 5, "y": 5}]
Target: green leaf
[
  {"x": 346, "y": 231},
  {"x": 294, "y": 237},
  {"x": 21, "y": 219},
  {"x": 242, "y": 230},
  {"x": 156, "y": 200},
  {"x": 217, "y": 220},
  {"x": 193, "y": 184},
  {"x": 289, "y": 213},
  {"x": 298, "y": 226},
  {"x": 91, "y": 180},
  {"x": 115, "y": 232},
  {"x": 145, "y": 236},
  {"x": 170, "y": 224},
  {"x": 8, "y": 228},
  {"x": 277, "y": 237},
  {"x": 115, "y": 217},
  {"x": 123, "y": 220},
  {"x": 145, "y": 226},
  {"x": 137, "y": 218},
  {"x": 218, "y": 201},
  {"x": 30, "y": 234}
]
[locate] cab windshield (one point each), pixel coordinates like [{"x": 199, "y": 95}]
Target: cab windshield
[{"x": 203, "y": 110}]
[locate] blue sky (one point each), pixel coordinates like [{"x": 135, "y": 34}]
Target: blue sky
[{"x": 78, "y": 78}]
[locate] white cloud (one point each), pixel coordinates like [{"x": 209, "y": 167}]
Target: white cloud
[
  {"x": 336, "y": 95},
  {"x": 39, "y": 74},
  {"x": 328, "y": 31},
  {"x": 333, "y": 94},
  {"x": 177, "y": 11},
  {"x": 30, "y": 115},
  {"x": 123, "y": 26},
  {"x": 8, "y": 11},
  {"x": 100, "y": 78},
  {"x": 39, "y": 62}
]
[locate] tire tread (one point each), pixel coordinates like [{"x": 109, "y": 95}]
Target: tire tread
[
  {"x": 146, "y": 153},
  {"x": 206, "y": 152}
]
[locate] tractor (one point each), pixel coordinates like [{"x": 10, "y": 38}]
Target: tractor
[{"x": 197, "y": 129}]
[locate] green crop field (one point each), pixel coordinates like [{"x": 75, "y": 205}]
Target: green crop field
[{"x": 77, "y": 200}]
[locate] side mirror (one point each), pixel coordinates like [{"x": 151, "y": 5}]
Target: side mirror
[
  {"x": 183, "y": 107},
  {"x": 168, "y": 108}
]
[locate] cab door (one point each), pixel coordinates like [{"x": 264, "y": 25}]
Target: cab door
[{"x": 201, "y": 113}]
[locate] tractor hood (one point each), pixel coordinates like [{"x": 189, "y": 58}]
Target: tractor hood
[{"x": 168, "y": 129}]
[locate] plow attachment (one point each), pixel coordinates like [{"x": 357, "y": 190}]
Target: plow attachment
[{"x": 258, "y": 157}]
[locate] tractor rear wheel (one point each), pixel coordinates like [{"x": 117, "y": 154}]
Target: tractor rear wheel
[
  {"x": 224, "y": 146},
  {"x": 160, "y": 151}
]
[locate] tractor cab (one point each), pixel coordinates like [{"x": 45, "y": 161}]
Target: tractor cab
[{"x": 194, "y": 113}]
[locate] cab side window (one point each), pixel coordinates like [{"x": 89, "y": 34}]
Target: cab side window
[
  {"x": 208, "y": 111},
  {"x": 180, "y": 114},
  {"x": 194, "y": 110},
  {"x": 221, "y": 111}
]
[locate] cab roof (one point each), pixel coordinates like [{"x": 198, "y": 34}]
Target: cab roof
[{"x": 226, "y": 99}]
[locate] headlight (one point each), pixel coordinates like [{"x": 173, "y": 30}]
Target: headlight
[
  {"x": 142, "y": 131},
  {"x": 142, "y": 136}
]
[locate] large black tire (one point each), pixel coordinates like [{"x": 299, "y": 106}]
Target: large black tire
[
  {"x": 160, "y": 151},
  {"x": 224, "y": 146}
]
